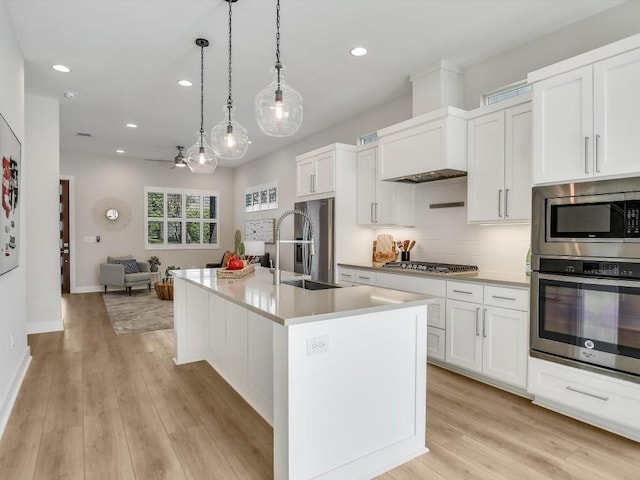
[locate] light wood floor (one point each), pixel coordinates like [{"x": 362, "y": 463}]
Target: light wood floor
[{"x": 99, "y": 406}]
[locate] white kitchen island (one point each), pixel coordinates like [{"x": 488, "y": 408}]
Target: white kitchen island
[{"x": 340, "y": 373}]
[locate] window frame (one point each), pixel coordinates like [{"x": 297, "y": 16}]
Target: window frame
[{"x": 184, "y": 219}]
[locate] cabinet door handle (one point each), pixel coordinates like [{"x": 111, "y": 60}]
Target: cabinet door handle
[
  {"x": 346, "y": 275},
  {"x": 586, "y": 154},
  {"x": 503, "y": 298},
  {"x": 311, "y": 183},
  {"x": 500, "y": 203},
  {"x": 484, "y": 323},
  {"x": 596, "y": 153},
  {"x": 477, "y": 322},
  {"x": 462, "y": 291},
  {"x": 371, "y": 213},
  {"x": 592, "y": 395},
  {"x": 364, "y": 278},
  {"x": 314, "y": 182},
  {"x": 506, "y": 203},
  {"x": 375, "y": 211}
]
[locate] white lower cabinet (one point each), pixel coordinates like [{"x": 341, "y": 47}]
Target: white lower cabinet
[
  {"x": 487, "y": 339},
  {"x": 608, "y": 402},
  {"x": 435, "y": 342}
]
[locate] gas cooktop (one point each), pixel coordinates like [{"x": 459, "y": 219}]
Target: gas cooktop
[{"x": 430, "y": 267}]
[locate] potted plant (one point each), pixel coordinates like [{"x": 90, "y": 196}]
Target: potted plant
[
  {"x": 167, "y": 272},
  {"x": 153, "y": 263}
]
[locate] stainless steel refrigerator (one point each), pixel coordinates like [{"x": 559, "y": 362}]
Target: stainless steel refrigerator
[{"x": 320, "y": 265}]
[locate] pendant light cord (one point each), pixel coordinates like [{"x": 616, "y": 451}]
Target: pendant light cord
[
  {"x": 229, "y": 99},
  {"x": 278, "y": 64},
  {"x": 201, "y": 96}
]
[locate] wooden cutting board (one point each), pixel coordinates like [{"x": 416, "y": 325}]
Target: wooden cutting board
[{"x": 385, "y": 243}]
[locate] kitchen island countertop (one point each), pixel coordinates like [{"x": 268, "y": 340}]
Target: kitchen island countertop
[
  {"x": 289, "y": 305},
  {"x": 498, "y": 278}
]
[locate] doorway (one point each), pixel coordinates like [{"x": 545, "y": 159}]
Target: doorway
[{"x": 65, "y": 265}]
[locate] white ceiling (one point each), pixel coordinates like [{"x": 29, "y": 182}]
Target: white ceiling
[{"x": 127, "y": 55}]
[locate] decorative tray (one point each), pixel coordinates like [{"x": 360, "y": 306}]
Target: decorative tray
[{"x": 224, "y": 273}]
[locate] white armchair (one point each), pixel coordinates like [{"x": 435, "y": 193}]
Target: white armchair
[{"x": 114, "y": 273}]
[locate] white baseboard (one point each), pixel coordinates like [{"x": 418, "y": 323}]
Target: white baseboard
[
  {"x": 14, "y": 388},
  {"x": 88, "y": 289},
  {"x": 45, "y": 327}
]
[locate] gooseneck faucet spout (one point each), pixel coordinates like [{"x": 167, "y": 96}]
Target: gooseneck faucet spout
[{"x": 276, "y": 271}]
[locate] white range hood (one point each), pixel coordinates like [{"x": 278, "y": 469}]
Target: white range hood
[{"x": 433, "y": 144}]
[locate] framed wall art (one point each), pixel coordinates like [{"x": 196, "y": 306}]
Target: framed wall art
[
  {"x": 10, "y": 203},
  {"x": 261, "y": 197}
]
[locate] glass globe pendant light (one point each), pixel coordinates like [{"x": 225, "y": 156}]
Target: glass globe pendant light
[
  {"x": 278, "y": 107},
  {"x": 200, "y": 158},
  {"x": 229, "y": 138}
]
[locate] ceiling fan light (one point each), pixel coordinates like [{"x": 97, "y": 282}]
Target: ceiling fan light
[{"x": 278, "y": 107}]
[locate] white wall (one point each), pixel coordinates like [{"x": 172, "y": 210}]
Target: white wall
[
  {"x": 97, "y": 177},
  {"x": 13, "y": 286},
  {"x": 512, "y": 66},
  {"x": 42, "y": 134}
]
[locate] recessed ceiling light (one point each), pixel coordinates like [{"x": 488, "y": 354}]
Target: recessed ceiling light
[
  {"x": 70, "y": 95},
  {"x": 61, "y": 68},
  {"x": 132, "y": 125},
  {"x": 119, "y": 151},
  {"x": 358, "y": 51},
  {"x": 184, "y": 83}
]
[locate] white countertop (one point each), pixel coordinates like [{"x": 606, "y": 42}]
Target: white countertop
[
  {"x": 288, "y": 305},
  {"x": 507, "y": 279}
]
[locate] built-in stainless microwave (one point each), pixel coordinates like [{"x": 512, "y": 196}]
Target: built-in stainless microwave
[{"x": 590, "y": 219}]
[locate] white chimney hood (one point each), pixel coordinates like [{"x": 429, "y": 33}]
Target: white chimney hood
[{"x": 433, "y": 144}]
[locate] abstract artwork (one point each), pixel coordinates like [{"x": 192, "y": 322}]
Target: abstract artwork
[{"x": 10, "y": 203}]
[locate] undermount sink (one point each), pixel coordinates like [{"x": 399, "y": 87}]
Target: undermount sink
[{"x": 310, "y": 284}]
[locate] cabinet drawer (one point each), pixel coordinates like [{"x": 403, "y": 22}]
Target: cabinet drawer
[
  {"x": 346, "y": 275},
  {"x": 366, "y": 277},
  {"x": 467, "y": 292},
  {"x": 514, "y": 298},
  {"x": 590, "y": 393}
]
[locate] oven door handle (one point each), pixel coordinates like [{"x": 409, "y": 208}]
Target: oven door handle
[{"x": 616, "y": 282}]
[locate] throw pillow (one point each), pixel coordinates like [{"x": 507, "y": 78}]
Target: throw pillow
[{"x": 130, "y": 266}]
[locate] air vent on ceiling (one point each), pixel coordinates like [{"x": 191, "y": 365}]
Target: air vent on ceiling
[{"x": 83, "y": 134}]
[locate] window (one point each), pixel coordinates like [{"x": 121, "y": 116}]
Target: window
[
  {"x": 368, "y": 138},
  {"x": 180, "y": 218},
  {"x": 504, "y": 93}
]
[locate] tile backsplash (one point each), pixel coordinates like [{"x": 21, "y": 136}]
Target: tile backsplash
[{"x": 443, "y": 234}]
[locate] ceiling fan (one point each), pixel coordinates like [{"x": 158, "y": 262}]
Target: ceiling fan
[{"x": 178, "y": 160}]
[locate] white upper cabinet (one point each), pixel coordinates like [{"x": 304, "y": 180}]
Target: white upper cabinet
[
  {"x": 616, "y": 87},
  {"x": 315, "y": 173},
  {"x": 379, "y": 202},
  {"x": 499, "y": 164},
  {"x": 431, "y": 142},
  {"x": 585, "y": 108}
]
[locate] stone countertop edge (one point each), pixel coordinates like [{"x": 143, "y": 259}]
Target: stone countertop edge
[
  {"x": 324, "y": 300},
  {"x": 496, "y": 278}
]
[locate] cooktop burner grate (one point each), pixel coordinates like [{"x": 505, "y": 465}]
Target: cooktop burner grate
[{"x": 431, "y": 267}]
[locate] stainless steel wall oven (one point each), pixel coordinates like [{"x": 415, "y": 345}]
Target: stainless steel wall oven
[{"x": 585, "y": 283}]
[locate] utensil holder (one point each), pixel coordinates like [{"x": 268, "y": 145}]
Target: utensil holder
[{"x": 405, "y": 256}]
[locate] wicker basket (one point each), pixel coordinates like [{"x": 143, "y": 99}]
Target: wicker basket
[{"x": 224, "y": 273}]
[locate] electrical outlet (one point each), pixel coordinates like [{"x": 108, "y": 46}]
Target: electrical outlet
[
  {"x": 89, "y": 239},
  {"x": 317, "y": 345}
]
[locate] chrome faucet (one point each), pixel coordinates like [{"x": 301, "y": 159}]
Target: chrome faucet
[{"x": 312, "y": 251}]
